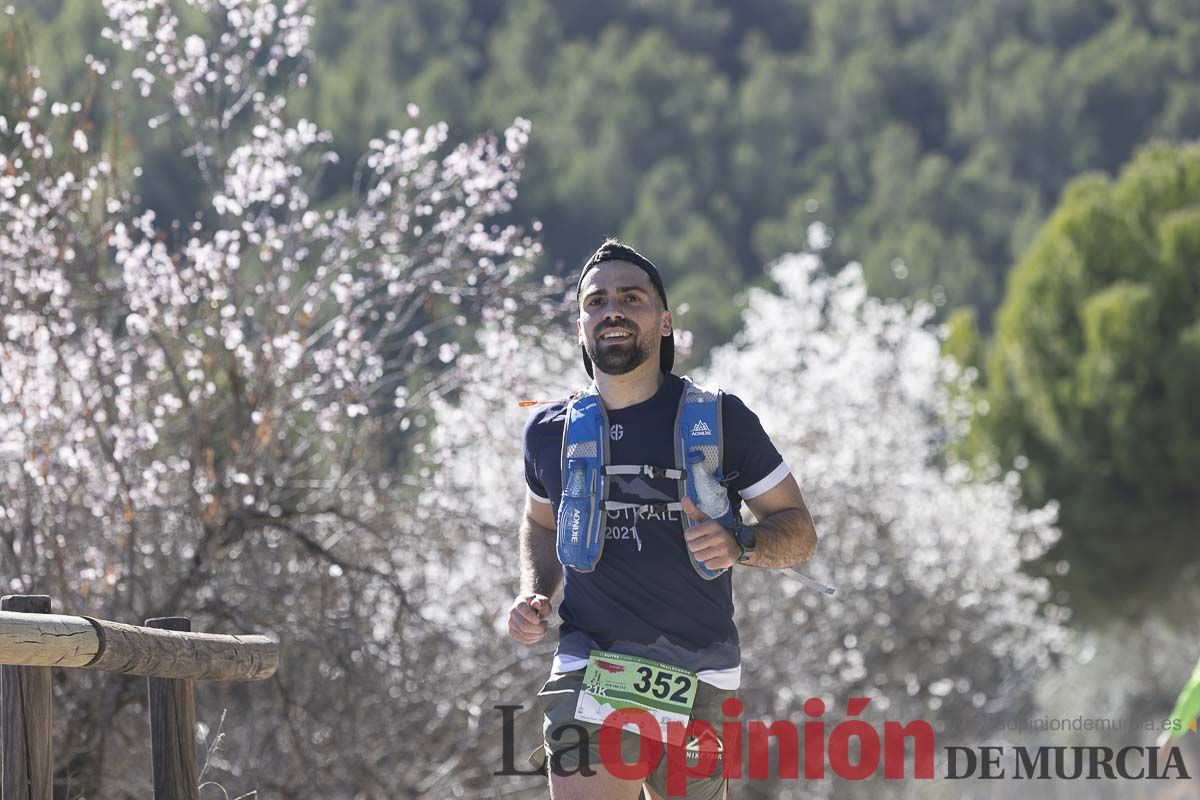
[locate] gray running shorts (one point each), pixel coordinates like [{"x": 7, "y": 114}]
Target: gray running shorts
[{"x": 557, "y": 700}]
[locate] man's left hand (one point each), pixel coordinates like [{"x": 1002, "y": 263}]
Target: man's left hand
[{"x": 711, "y": 544}]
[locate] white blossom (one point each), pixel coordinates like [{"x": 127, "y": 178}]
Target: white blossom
[{"x": 191, "y": 417}]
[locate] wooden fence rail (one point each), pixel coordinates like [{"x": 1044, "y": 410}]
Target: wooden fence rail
[{"x": 33, "y": 641}]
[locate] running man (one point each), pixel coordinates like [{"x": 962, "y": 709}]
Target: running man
[{"x": 662, "y": 586}]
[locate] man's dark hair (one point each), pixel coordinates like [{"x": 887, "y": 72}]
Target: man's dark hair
[{"x": 613, "y": 249}]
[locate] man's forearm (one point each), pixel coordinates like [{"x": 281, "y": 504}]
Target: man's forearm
[
  {"x": 787, "y": 538},
  {"x": 541, "y": 571}
]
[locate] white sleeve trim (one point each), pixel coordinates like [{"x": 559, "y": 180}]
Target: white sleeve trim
[
  {"x": 767, "y": 483},
  {"x": 537, "y": 496}
]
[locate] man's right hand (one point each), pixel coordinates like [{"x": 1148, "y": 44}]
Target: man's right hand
[{"x": 528, "y": 619}]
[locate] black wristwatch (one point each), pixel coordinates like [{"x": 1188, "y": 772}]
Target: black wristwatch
[{"x": 744, "y": 534}]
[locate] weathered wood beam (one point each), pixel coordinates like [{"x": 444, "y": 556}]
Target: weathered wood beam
[
  {"x": 173, "y": 728},
  {"x": 58, "y": 640}
]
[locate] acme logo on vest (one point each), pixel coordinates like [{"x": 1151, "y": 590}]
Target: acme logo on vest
[
  {"x": 575, "y": 525},
  {"x": 701, "y": 428}
]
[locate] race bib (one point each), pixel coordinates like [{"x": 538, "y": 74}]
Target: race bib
[{"x": 612, "y": 682}]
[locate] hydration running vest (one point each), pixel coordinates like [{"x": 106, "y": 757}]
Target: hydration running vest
[{"x": 585, "y": 470}]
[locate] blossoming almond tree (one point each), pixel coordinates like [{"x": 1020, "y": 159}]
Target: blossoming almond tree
[
  {"x": 475, "y": 491},
  {"x": 191, "y": 411},
  {"x": 934, "y": 618}
]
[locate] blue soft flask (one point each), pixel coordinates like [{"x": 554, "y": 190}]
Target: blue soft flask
[
  {"x": 578, "y": 544},
  {"x": 580, "y": 523},
  {"x": 709, "y": 496}
]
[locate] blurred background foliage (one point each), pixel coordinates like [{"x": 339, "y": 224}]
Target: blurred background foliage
[
  {"x": 934, "y": 137},
  {"x": 937, "y": 143}
]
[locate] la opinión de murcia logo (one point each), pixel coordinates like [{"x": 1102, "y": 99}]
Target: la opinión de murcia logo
[{"x": 740, "y": 750}]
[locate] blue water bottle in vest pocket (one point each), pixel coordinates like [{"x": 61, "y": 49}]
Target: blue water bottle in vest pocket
[{"x": 581, "y": 519}]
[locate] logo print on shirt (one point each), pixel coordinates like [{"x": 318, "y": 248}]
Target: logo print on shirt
[
  {"x": 616, "y": 431},
  {"x": 701, "y": 428}
]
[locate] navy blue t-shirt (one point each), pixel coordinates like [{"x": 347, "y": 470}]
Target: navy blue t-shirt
[{"x": 644, "y": 597}]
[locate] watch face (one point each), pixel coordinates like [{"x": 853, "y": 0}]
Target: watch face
[
  {"x": 745, "y": 536},
  {"x": 745, "y": 540}
]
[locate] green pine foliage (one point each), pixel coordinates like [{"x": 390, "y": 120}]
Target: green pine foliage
[
  {"x": 1094, "y": 374},
  {"x": 932, "y": 136}
]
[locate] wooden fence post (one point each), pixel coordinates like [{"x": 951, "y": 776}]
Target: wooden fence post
[
  {"x": 173, "y": 728},
  {"x": 26, "y": 718}
]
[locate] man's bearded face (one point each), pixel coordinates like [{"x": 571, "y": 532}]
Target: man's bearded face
[{"x": 618, "y": 298}]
